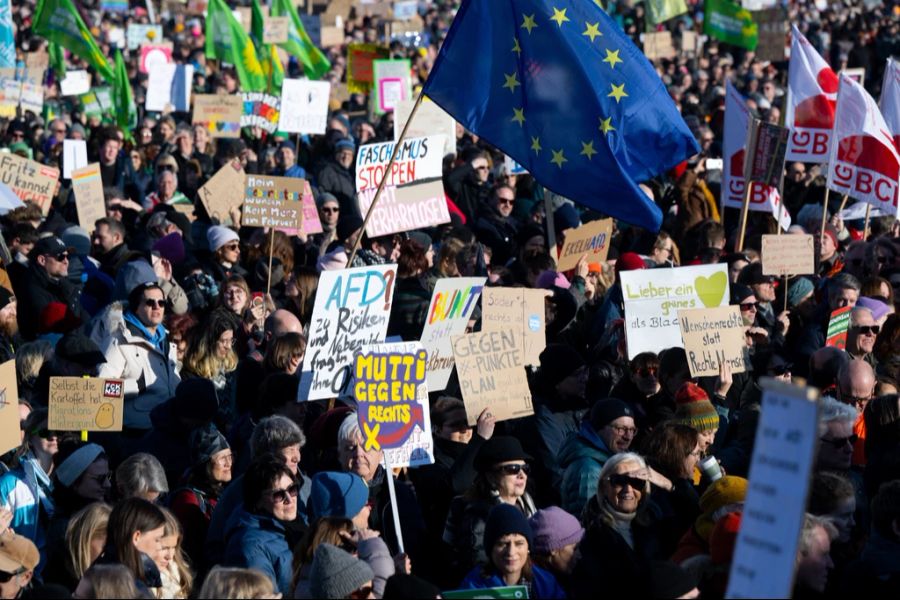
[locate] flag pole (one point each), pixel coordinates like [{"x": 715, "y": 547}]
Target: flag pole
[
  {"x": 384, "y": 176},
  {"x": 271, "y": 249},
  {"x": 824, "y": 213},
  {"x": 866, "y": 226},
  {"x": 745, "y": 208}
]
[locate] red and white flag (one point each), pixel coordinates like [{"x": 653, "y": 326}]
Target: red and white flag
[
  {"x": 890, "y": 100},
  {"x": 812, "y": 93},
  {"x": 762, "y": 197},
  {"x": 863, "y": 163}
]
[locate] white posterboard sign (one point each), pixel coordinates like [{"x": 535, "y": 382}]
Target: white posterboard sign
[
  {"x": 169, "y": 87},
  {"x": 783, "y": 455},
  {"x": 74, "y": 156},
  {"x": 417, "y": 158},
  {"x": 653, "y": 298},
  {"x": 75, "y": 83},
  {"x": 430, "y": 119},
  {"x": 304, "y": 106}
]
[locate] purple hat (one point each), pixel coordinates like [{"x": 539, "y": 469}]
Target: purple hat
[
  {"x": 171, "y": 248},
  {"x": 553, "y": 529},
  {"x": 548, "y": 279},
  {"x": 878, "y": 308}
]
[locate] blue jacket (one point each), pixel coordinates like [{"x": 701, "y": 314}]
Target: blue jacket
[
  {"x": 581, "y": 458},
  {"x": 543, "y": 583},
  {"x": 257, "y": 541}
]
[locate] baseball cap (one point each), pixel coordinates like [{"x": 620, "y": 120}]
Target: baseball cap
[
  {"x": 752, "y": 274},
  {"x": 17, "y": 553},
  {"x": 51, "y": 245}
]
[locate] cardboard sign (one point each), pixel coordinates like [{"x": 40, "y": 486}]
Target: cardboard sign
[
  {"x": 449, "y": 312},
  {"x": 838, "y": 325},
  {"x": 31, "y": 97},
  {"x": 220, "y": 114},
  {"x": 689, "y": 44},
  {"x": 591, "y": 239},
  {"x": 244, "y": 16},
  {"x": 260, "y": 110},
  {"x": 74, "y": 156},
  {"x": 38, "y": 61},
  {"x": 9, "y": 407},
  {"x": 30, "y": 180},
  {"x": 413, "y": 206},
  {"x": 351, "y": 312},
  {"x": 273, "y": 202},
  {"x": 138, "y": 34},
  {"x": 154, "y": 56},
  {"x": 86, "y": 404},
  {"x": 225, "y": 190},
  {"x": 169, "y": 88},
  {"x": 275, "y": 30},
  {"x": 406, "y": 9},
  {"x": 88, "y": 189},
  {"x": 304, "y": 106},
  {"x": 430, "y": 119},
  {"x": 392, "y": 84},
  {"x": 417, "y": 158},
  {"x": 658, "y": 45},
  {"x": 783, "y": 456},
  {"x": 788, "y": 255},
  {"x": 332, "y": 36},
  {"x": 360, "y": 57},
  {"x": 491, "y": 373},
  {"x": 519, "y": 309},
  {"x": 653, "y": 298},
  {"x": 713, "y": 336}
]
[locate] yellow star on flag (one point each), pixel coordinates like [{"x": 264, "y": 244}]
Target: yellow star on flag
[
  {"x": 588, "y": 149},
  {"x": 519, "y": 116},
  {"x": 536, "y": 144},
  {"x": 606, "y": 125},
  {"x": 612, "y": 58},
  {"x": 559, "y": 16},
  {"x": 511, "y": 81},
  {"x": 558, "y": 158},
  {"x": 592, "y": 30},
  {"x": 618, "y": 92},
  {"x": 516, "y": 48},
  {"x": 529, "y": 23}
]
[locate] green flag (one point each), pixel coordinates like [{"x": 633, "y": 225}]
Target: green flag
[
  {"x": 659, "y": 11},
  {"x": 123, "y": 100},
  {"x": 60, "y": 23},
  {"x": 268, "y": 56},
  {"x": 315, "y": 65},
  {"x": 730, "y": 23},
  {"x": 57, "y": 60},
  {"x": 227, "y": 41}
]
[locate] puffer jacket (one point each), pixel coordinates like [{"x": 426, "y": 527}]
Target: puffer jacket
[
  {"x": 256, "y": 541},
  {"x": 581, "y": 458},
  {"x": 150, "y": 376}
]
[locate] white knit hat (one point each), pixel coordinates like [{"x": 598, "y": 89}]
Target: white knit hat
[{"x": 218, "y": 236}]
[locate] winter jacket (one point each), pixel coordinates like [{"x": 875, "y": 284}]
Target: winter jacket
[
  {"x": 39, "y": 290},
  {"x": 381, "y": 518},
  {"x": 257, "y": 541},
  {"x": 150, "y": 375},
  {"x": 499, "y": 234},
  {"x": 581, "y": 458},
  {"x": 542, "y": 585},
  {"x": 193, "y": 508},
  {"x": 28, "y": 492},
  {"x": 336, "y": 180},
  {"x": 469, "y": 195},
  {"x": 876, "y": 573}
]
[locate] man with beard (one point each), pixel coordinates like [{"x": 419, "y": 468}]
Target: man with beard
[
  {"x": 108, "y": 245},
  {"x": 9, "y": 327},
  {"x": 496, "y": 228}
]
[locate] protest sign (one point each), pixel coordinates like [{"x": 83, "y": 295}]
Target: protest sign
[
  {"x": 773, "y": 28},
  {"x": 86, "y": 404},
  {"x": 688, "y": 45},
  {"x": 260, "y": 110},
  {"x": 31, "y": 97},
  {"x": 359, "y": 65},
  {"x": 658, "y": 44},
  {"x": 169, "y": 88},
  {"x": 313, "y": 26},
  {"x": 858, "y": 75},
  {"x": 37, "y": 61},
  {"x": 838, "y": 325},
  {"x": 713, "y": 336},
  {"x": 244, "y": 16},
  {"x": 332, "y": 36},
  {"x": 74, "y": 156},
  {"x": 417, "y": 158},
  {"x": 275, "y": 30},
  {"x": 788, "y": 255},
  {"x": 392, "y": 84},
  {"x": 430, "y": 119},
  {"x": 273, "y": 202},
  {"x": 783, "y": 455},
  {"x": 137, "y": 34},
  {"x": 449, "y": 312},
  {"x": 351, "y": 312},
  {"x": 413, "y": 206},
  {"x": 9, "y": 407},
  {"x": 30, "y": 180},
  {"x": 591, "y": 239},
  {"x": 220, "y": 114},
  {"x": 730, "y": 23},
  {"x": 653, "y": 298},
  {"x": 765, "y": 153},
  {"x": 406, "y": 9},
  {"x": 304, "y": 106},
  {"x": 154, "y": 56},
  {"x": 520, "y": 309},
  {"x": 10, "y": 89},
  {"x": 114, "y": 6},
  {"x": 224, "y": 191},
  {"x": 491, "y": 372},
  {"x": 88, "y": 189},
  {"x": 311, "y": 222},
  {"x": 75, "y": 83}
]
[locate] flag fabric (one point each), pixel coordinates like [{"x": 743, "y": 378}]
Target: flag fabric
[
  {"x": 890, "y": 99},
  {"x": 863, "y": 162},
  {"x": 123, "y": 99},
  {"x": 299, "y": 44},
  {"x": 762, "y": 197},
  {"x": 730, "y": 23},
  {"x": 7, "y": 37},
  {"x": 268, "y": 55},
  {"x": 812, "y": 93},
  {"x": 227, "y": 41},
  {"x": 57, "y": 60},
  {"x": 563, "y": 91},
  {"x": 659, "y": 11},
  {"x": 60, "y": 23}
]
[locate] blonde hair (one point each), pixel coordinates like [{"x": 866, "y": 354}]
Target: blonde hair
[
  {"x": 233, "y": 583},
  {"x": 31, "y": 357},
  {"x": 201, "y": 357},
  {"x": 87, "y": 524},
  {"x": 327, "y": 530},
  {"x": 185, "y": 576}
]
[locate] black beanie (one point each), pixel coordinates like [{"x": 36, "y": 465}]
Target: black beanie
[
  {"x": 558, "y": 361},
  {"x": 608, "y": 410},
  {"x": 505, "y": 519}
]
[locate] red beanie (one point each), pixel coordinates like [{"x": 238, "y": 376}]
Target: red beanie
[
  {"x": 57, "y": 318},
  {"x": 629, "y": 261},
  {"x": 723, "y": 538}
]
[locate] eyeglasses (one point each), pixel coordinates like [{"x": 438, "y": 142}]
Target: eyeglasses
[
  {"x": 647, "y": 371},
  {"x": 622, "y": 480},
  {"x": 224, "y": 461},
  {"x": 515, "y": 469},
  {"x": 622, "y": 430},
  {"x": 232, "y": 247},
  {"x": 154, "y": 303},
  {"x": 5, "y": 577},
  {"x": 867, "y": 329},
  {"x": 284, "y": 496},
  {"x": 328, "y": 210},
  {"x": 854, "y": 400},
  {"x": 839, "y": 443},
  {"x": 227, "y": 342},
  {"x": 509, "y": 201},
  {"x": 59, "y": 131},
  {"x": 779, "y": 370},
  {"x": 61, "y": 257},
  {"x": 46, "y": 434},
  {"x": 748, "y": 306}
]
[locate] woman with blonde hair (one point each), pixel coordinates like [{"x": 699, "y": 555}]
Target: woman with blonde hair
[
  {"x": 232, "y": 583},
  {"x": 177, "y": 578},
  {"x": 327, "y": 530},
  {"x": 85, "y": 539},
  {"x": 210, "y": 355}
]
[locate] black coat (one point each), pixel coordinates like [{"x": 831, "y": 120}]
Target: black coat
[
  {"x": 499, "y": 234},
  {"x": 335, "y": 179},
  {"x": 38, "y": 290}
]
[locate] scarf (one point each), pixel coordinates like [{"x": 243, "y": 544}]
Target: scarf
[
  {"x": 39, "y": 483},
  {"x": 157, "y": 339},
  {"x": 621, "y": 522}
]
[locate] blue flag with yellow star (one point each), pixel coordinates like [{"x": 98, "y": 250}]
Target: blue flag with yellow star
[{"x": 561, "y": 89}]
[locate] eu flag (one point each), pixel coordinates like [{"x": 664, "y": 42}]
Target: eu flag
[{"x": 560, "y": 88}]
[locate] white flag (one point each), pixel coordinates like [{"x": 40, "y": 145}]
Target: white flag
[
  {"x": 890, "y": 100},
  {"x": 812, "y": 92}
]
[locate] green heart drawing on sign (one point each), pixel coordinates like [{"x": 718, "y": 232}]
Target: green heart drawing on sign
[{"x": 711, "y": 289}]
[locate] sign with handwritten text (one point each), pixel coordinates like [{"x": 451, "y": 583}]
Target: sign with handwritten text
[
  {"x": 788, "y": 255},
  {"x": 415, "y": 206},
  {"x": 520, "y": 309},
  {"x": 273, "y": 202},
  {"x": 219, "y": 114},
  {"x": 86, "y": 404},
  {"x": 713, "y": 336},
  {"x": 591, "y": 239},
  {"x": 30, "y": 180},
  {"x": 417, "y": 158},
  {"x": 9, "y": 407}
]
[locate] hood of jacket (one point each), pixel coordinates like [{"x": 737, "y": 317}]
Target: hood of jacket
[{"x": 585, "y": 444}]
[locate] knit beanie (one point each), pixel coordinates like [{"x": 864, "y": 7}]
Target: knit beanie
[
  {"x": 693, "y": 408},
  {"x": 171, "y": 248},
  {"x": 334, "y": 494},
  {"x": 205, "y": 442},
  {"x": 335, "y": 573},
  {"x": 722, "y": 492},
  {"x": 608, "y": 410},
  {"x": 798, "y": 289},
  {"x": 219, "y": 235},
  {"x": 670, "y": 581},
  {"x": 506, "y": 519},
  {"x": 554, "y": 529}
]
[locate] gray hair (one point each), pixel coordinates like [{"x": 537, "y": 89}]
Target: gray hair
[
  {"x": 842, "y": 281},
  {"x": 810, "y": 524},
  {"x": 623, "y": 457},
  {"x": 139, "y": 474},
  {"x": 349, "y": 429},
  {"x": 830, "y": 410},
  {"x": 273, "y": 434}
]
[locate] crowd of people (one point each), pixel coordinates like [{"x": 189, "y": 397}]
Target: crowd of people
[{"x": 221, "y": 484}]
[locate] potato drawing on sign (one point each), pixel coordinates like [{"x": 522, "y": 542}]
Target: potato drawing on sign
[{"x": 105, "y": 416}]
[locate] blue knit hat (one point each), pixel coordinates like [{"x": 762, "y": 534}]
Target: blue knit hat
[
  {"x": 505, "y": 519},
  {"x": 334, "y": 494}
]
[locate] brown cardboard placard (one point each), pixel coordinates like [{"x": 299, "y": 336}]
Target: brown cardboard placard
[
  {"x": 37, "y": 60},
  {"x": 788, "y": 255},
  {"x": 86, "y": 404},
  {"x": 220, "y": 114},
  {"x": 246, "y": 17},
  {"x": 87, "y": 186},
  {"x": 712, "y": 336},
  {"x": 273, "y": 202},
  {"x": 591, "y": 239},
  {"x": 30, "y": 180},
  {"x": 658, "y": 44},
  {"x": 275, "y": 30},
  {"x": 9, "y": 407},
  {"x": 331, "y": 36},
  {"x": 224, "y": 191},
  {"x": 521, "y": 309}
]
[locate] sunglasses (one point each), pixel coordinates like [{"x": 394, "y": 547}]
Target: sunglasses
[
  {"x": 284, "y": 496},
  {"x": 747, "y": 306},
  {"x": 154, "y": 303},
  {"x": 515, "y": 469},
  {"x": 622, "y": 480},
  {"x": 505, "y": 201},
  {"x": 647, "y": 371},
  {"x": 330, "y": 210},
  {"x": 62, "y": 257},
  {"x": 481, "y": 168},
  {"x": 47, "y": 434},
  {"x": 5, "y": 577},
  {"x": 779, "y": 370},
  {"x": 232, "y": 247},
  {"x": 839, "y": 443},
  {"x": 867, "y": 329}
]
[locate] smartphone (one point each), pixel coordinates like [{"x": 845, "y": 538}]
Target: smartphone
[{"x": 714, "y": 164}]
